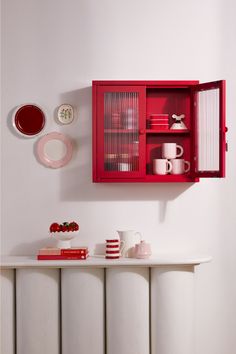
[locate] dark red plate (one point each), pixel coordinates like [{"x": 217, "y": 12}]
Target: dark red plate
[{"x": 29, "y": 119}]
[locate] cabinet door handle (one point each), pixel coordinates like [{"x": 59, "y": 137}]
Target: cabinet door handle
[{"x": 142, "y": 131}]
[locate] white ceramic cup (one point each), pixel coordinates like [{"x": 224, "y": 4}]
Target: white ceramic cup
[
  {"x": 170, "y": 150},
  {"x": 128, "y": 239},
  {"x": 161, "y": 166},
  {"x": 179, "y": 166}
]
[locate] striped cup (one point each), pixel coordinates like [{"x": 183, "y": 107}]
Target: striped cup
[{"x": 113, "y": 249}]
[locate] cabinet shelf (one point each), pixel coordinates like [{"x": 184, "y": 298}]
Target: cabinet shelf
[
  {"x": 147, "y": 131},
  {"x": 152, "y": 179},
  {"x": 170, "y": 178},
  {"x": 168, "y": 131},
  {"x": 121, "y": 131}
]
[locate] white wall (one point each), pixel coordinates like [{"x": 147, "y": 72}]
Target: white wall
[{"x": 51, "y": 52}]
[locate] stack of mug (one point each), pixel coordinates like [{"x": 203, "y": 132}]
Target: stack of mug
[
  {"x": 170, "y": 161},
  {"x": 113, "y": 249}
]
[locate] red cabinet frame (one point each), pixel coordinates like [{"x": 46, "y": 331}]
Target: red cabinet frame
[{"x": 203, "y": 141}]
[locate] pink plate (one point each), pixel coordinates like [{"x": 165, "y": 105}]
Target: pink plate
[{"x": 54, "y": 150}]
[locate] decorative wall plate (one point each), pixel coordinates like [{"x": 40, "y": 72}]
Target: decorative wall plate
[
  {"x": 54, "y": 150},
  {"x": 65, "y": 114},
  {"x": 29, "y": 120}
]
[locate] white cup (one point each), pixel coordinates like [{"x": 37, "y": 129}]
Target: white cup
[
  {"x": 161, "y": 166},
  {"x": 179, "y": 166},
  {"x": 170, "y": 150},
  {"x": 128, "y": 240}
]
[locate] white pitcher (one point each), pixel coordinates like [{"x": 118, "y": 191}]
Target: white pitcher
[{"x": 128, "y": 239}]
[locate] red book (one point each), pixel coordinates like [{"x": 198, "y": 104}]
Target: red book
[
  {"x": 61, "y": 257},
  {"x": 74, "y": 251},
  {"x": 54, "y": 251}
]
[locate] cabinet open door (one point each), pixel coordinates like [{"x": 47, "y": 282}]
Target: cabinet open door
[{"x": 209, "y": 143}]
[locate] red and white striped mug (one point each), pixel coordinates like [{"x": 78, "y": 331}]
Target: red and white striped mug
[{"x": 113, "y": 248}]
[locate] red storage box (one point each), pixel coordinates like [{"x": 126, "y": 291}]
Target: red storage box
[{"x": 159, "y": 126}]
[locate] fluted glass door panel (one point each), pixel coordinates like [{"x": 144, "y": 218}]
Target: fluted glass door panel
[
  {"x": 209, "y": 130},
  {"x": 122, "y": 117},
  {"x": 210, "y": 144},
  {"x": 121, "y": 133}
]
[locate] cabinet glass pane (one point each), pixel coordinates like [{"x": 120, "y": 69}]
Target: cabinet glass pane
[
  {"x": 121, "y": 131},
  {"x": 208, "y": 130}
]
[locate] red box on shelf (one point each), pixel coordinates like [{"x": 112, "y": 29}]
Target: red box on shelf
[
  {"x": 159, "y": 126},
  {"x": 159, "y": 116}
]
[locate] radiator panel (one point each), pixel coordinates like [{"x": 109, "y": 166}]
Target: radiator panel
[
  {"x": 127, "y": 310},
  {"x": 38, "y": 311},
  {"x": 7, "y": 334},
  {"x": 172, "y": 296},
  {"x": 83, "y": 311}
]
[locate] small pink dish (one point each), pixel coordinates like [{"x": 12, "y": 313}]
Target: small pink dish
[
  {"x": 54, "y": 150},
  {"x": 142, "y": 250}
]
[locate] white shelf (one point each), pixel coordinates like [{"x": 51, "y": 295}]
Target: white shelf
[{"x": 7, "y": 262}]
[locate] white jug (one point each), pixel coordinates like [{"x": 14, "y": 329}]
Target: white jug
[{"x": 128, "y": 239}]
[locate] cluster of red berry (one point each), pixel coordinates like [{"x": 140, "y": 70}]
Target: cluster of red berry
[{"x": 65, "y": 226}]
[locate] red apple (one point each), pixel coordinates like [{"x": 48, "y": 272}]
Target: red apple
[{"x": 54, "y": 227}]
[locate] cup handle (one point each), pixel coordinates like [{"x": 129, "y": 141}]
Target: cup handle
[
  {"x": 122, "y": 245},
  {"x": 181, "y": 150},
  {"x": 138, "y": 233},
  {"x": 169, "y": 166},
  {"x": 187, "y": 166}
]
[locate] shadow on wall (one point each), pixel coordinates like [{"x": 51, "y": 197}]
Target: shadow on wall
[
  {"x": 76, "y": 178},
  {"x": 31, "y": 248}
]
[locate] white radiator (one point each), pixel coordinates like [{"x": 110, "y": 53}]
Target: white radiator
[{"x": 117, "y": 310}]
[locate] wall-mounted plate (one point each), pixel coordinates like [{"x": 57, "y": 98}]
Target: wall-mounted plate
[
  {"x": 29, "y": 120},
  {"x": 54, "y": 150},
  {"x": 65, "y": 114}
]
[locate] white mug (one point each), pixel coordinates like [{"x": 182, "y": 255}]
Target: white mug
[
  {"x": 161, "y": 166},
  {"x": 128, "y": 239},
  {"x": 169, "y": 150},
  {"x": 179, "y": 166}
]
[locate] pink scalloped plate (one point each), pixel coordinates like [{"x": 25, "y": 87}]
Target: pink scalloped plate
[{"x": 54, "y": 150}]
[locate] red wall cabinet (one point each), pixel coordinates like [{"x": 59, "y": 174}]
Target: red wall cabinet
[{"x": 133, "y": 119}]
